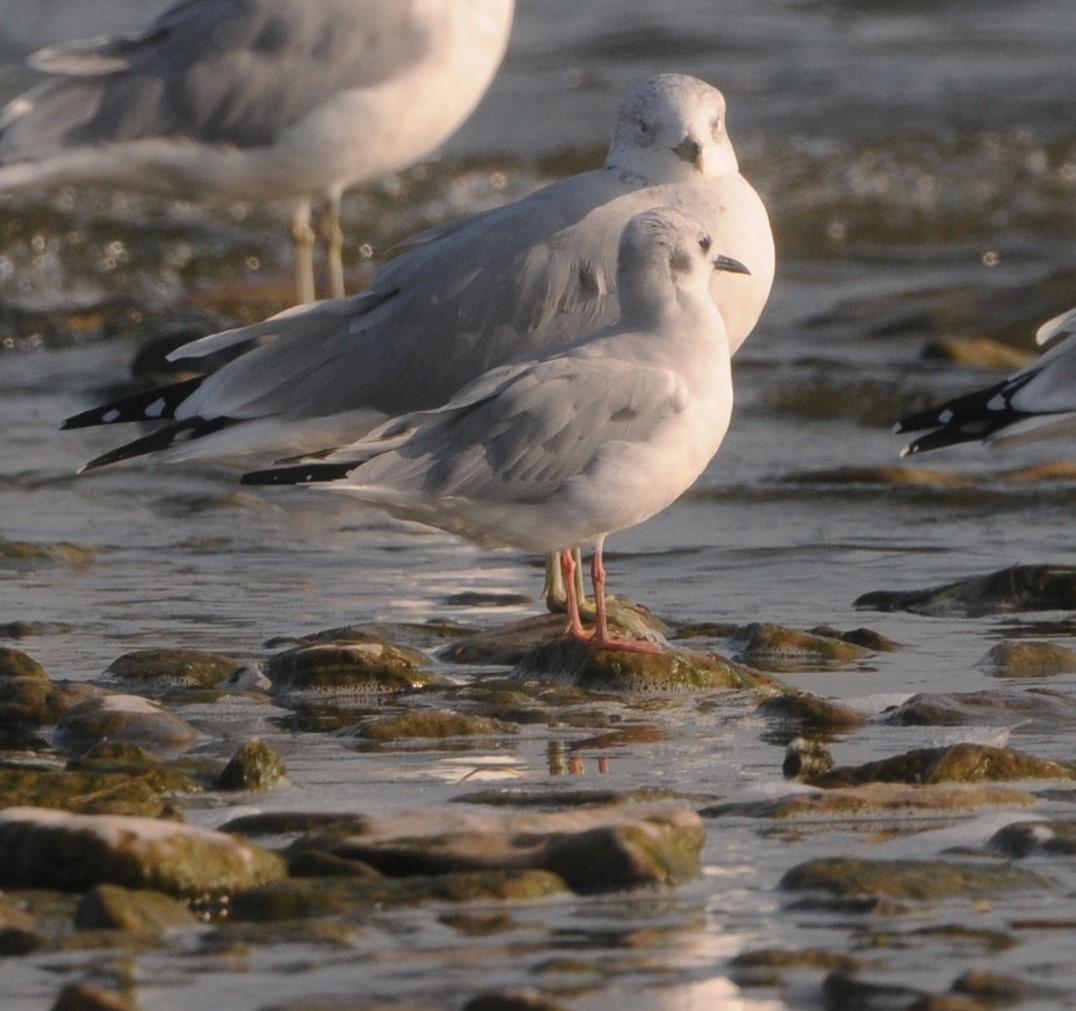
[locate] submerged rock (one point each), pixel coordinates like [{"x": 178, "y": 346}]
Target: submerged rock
[
  {"x": 994, "y": 707},
  {"x": 50, "y": 849},
  {"x": 515, "y": 999},
  {"x": 432, "y": 725},
  {"x": 169, "y": 668},
  {"x": 135, "y": 911},
  {"x": 592, "y": 850},
  {"x": 255, "y": 766},
  {"x": 80, "y": 791},
  {"x": 775, "y": 647},
  {"x": 1016, "y": 589},
  {"x": 921, "y": 880},
  {"x": 127, "y": 718},
  {"x": 613, "y": 670},
  {"x": 26, "y": 555},
  {"x": 1023, "y": 838},
  {"x": 362, "y": 667},
  {"x": 806, "y": 712},
  {"x": 1028, "y": 659},
  {"x": 85, "y": 996}
]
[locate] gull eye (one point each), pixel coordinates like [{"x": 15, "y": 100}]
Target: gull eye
[
  {"x": 644, "y": 128},
  {"x": 705, "y": 242}
]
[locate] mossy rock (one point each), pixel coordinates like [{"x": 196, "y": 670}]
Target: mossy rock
[
  {"x": 1021, "y": 839},
  {"x": 169, "y": 668},
  {"x": 129, "y": 718},
  {"x": 135, "y": 911},
  {"x": 765, "y": 966},
  {"x": 14, "y": 663},
  {"x": 80, "y": 791},
  {"x": 432, "y": 725},
  {"x": 774, "y": 647},
  {"x": 365, "y": 667},
  {"x": 1002, "y": 708},
  {"x": 613, "y": 670},
  {"x": 919, "y": 880},
  {"x": 299, "y": 898},
  {"x": 806, "y": 711},
  {"x": 41, "y": 848},
  {"x": 1028, "y": 659},
  {"x": 255, "y": 766},
  {"x": 958, "y": 763},
  {"x": 25, "y": 555}
]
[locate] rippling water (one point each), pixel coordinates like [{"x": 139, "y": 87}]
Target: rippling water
[{"x": 919, "y": 163}]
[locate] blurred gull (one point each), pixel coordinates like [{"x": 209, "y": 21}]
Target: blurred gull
[
  {"x": 504, "y": 284},
  {"x": 1035, "y": 403},
  {"x": 555, "y": 453},
  {"x": 227, "y": 100}
]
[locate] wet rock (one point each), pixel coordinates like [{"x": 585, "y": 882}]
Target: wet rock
[
  {"x": 872, "y": 800},
  {"x": 765, "y": 966},
  {"x": 135, "y": 911},
  {"x": 23, "y": 555},
  {"x": 865, "y": 637},
  {"x": 1016, "y": 589},
  {"x": 14, "y": 663},
  {"x": 127, "y": 718},
  {"x": 79, "y": 791},
  {"x": 33, "y": 701},
  {"x": 595, "y": 850},
  {"x": 50, "y": 849},
  {"x": 920, "y": 880},
  {"x": 366, "y": 667},
  {"x": 256, "y": 766},
  {"x": 1021, "y": 839},
  {"x": 613, "y": 670},
  {"x": 843, "y": 992},
  {"x": 774, "y": 647},
  {"x": 557, "y": 799},
  {"x": 520, "y": 999},
  {"x": 90, "y": 997},
  {"x": 958, "y": 763},
  {"x": 997, "y": 989},
  {"x": 432, "y": 724},
  {"x": 805, "y": 711},
  {"x": 805, "y": 759},
  {"x": 994, "y": 707},
  {"x": 1028, "y": 659},
  {"x": 299, "y": 898},
  {"x": 27, "y": 629},
  {"x": 170, "y": 668},
  {"x": 983, "y": 352},
  {"x": 891, "y": 475}
]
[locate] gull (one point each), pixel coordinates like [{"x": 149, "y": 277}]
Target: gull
[
  {"x": 1035, "y": 403},
  {"x": 264, "y": 100},
  {"x": 555, "y": 453},
  {"x": 507, "y": 283}
]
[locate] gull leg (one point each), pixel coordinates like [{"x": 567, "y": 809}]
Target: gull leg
[
  {"x": 303, "y": 237},
  {"x": 568, "y": 572},
  {"x": 601, "y": 638},
  {"x": 333, "y": 237},
  {"x": 554, "y": 590}
]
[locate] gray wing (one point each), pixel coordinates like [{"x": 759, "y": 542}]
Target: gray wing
[
  {"x": 219, "y": 71},
  {"x": 523, "y": 431}
]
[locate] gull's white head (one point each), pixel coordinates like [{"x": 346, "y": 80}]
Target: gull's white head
[
  {"x": 672, "y": 128},
  {"x": 665, "y": 258}
]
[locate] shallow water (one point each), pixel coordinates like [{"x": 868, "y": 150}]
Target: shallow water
[{"x": 919, "y": 163}]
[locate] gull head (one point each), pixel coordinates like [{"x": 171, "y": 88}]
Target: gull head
[
  {"x": 672, "y": 128},
  {"x": 665, "y": 256}
]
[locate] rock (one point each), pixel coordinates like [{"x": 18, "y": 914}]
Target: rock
[
  {"x": 613, "y": 670},
  {"x": 432, "y": 724},
  {"x": 136, "y": 911},
  {"x": 255, "y": 766},
  {"x": 1028, "y": 659},
  {"x": 367, "y": 667},
  {"x": 1008, "y": 591},
  {"x": 128, "y": 718},
  {"x": 993, "y": 707},
  {"x": 170, "y": 668},
  {"x": 806, "y": 712},
  {"x": 592, "y": 850},
  {"x": 86, "y": 792},
  {"x": 29, "y": 702},
  {"x": 42, "y": 848},
  {"x": 921, "y": 880},
  {"x": 90, "y": 997},
  {"x": 887, "y": 475},
  {"x": 958, "y": 763},
  {"x": 774, "y": 647},
  {"x": 997, "y": 989},
  {"x": 1021, "y": 839},
  {"x": 25, "y": 556},
  {"x": 521, "y": 999},
  {"x": 14, "y": 663},
  {"x": 805, "y": 759},
  {"x": 27, "y": 629},
  {"x": 983, "y": 352},
  {"x": 763, "y": 967},
  {"x": 842, "y": 992}
]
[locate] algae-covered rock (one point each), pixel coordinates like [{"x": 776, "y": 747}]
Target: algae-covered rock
[
  {"x": 1001, "y": 708},
  {"x": 42, "y": 848},
  {"x": 842, "y": 991},
  {"x": 612, "y": 670},
  {"x": 27, "y": 555},
  {"x": 514, "y": 999},
  {"x": 1028, "y": 659},
  {"x": 255, "y": 766},
  {"x": 958, "y": 763},
  {"x": 364, "y": 667},
  {"x": 298, "y": 898},
  {"x": 1016, "y": 589},
  {"x": 128, "y": 718},
  {"x": 169, "y": 668},
  {"x": 921, "y": 880},
  {"x": 85, "y": 792},
  {"x": 805, "y": 758},
  {"x": 774, "y": 647},
  {"x": 999, "y": 989},
  {"x": 86, "y": 996},
  {"x": 591, "y": 850},
  {"x": 432, "y": 724},
  {"x": 765, "y": 966},
  {"x": 14, "y": 663},
  {"x": 1021, "y": 839},
  {"x": 136, "y": 911},
  {"x": 806, "y": 711}
]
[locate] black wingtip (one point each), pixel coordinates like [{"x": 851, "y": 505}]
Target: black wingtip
[
  {"x": 156, "y": 404},
  {"x": 309, "y": 473},
  {"x": 164, "y": 438}
]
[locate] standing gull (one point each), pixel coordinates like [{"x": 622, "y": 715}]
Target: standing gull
[
  {"x": 508, "y": 283},
  {"x": 1037, "y": 402},
  {"x": 555, "y": 453},
  {"x": 226, "y": 100}
]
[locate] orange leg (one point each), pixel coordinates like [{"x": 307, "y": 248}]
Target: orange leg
[{"x": 575, "y": 623}]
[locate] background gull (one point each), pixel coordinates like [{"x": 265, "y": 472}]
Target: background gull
[
  {"x": 556, "y": 453},
  {"x": 1037, "y": 402},
  {"x": 225, "y": 100},
  {"x": 507, "y": 283}
]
